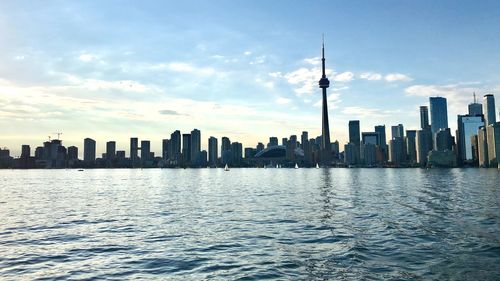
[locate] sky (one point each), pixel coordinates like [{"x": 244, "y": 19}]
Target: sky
[{"x": 111, "y": 70}]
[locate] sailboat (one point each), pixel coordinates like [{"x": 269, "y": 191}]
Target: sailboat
[
  {"x": 317, "y": 166},
  {"x": 296, "y": 166},
  {"x": 226, "y": 168}
]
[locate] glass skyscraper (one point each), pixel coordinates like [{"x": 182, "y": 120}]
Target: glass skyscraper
[{"x": 439, "y": 114}]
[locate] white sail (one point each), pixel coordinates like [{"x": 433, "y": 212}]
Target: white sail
[
  {"x": 296, "y": 166},
  {"x": 226, "y": 168},
  {"x": 317, "y": 166}
]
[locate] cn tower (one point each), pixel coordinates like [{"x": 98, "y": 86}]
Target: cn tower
[{"x": 325, "y": 135}]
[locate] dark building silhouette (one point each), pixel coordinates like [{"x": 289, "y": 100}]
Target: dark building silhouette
[
  {"x": 186, "y": 149},
  {"x": 213, "y": 151},
  {"x": 88, "y": 150}
]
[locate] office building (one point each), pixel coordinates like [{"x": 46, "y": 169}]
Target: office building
[
  {"x": 411, "y": 146},
  {"x": 482, "y": 147},
  {"x": 371, "y": 138},
  {"x": 493, "y": 136},
  {"x": 397, "y": 131},
  {"x": 443, "y": 140},
  {"x": 165, "y": 147},
  {"x": 195, "y": 146},
  {"x": 186, "y": 148},
  {"x": 72, "y": 153},
  {"x": 273, "y": 141},
  {"x": 380, "y": 129},
  {"x": 424, "y": 117},
  {"x": 145, "y": 151},
  {"x": 134, "y": 148},
  {"x": 88, "y": 150},
  {"x": 213, "y": 151},
  {"x": 489, "y": 109},
  {"x": 468, "y": 125},
  {"x": 354, "y": 132},
  {"x": 439, "y": 114},
  {"x": 475, "y": 108},
  {"x": 110, "y": 150}
]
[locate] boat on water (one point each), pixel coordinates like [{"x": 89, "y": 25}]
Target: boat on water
[
  {"x": 80, "y": 170},
  {"x": 296, "y": 166},
  {"x": 226, "y": 168},
  {"x": 317, "y": 166}
]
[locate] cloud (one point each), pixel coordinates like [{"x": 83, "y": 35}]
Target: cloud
[
  {"x": 313, "y": 61},
  {"x": 305, "y": 80},
  {"x": 344, "y": 77},
  {"x": 393, "y": 77},
  {"x": 87, "y": 57},
  {"x": 282, "y": 100},
  {"x": 169, "y": 112},
  {"x": 259, "y": 60},
  {"x": 371, "y": 76},
  {"x": 360, "y": 112},
  {"x": 185, "y": 67},
  {"x": 19, "y": 57},
  {"x": 457, "y": 95},
  {"x": 247, "y": 53},
  {"x": 275, "y": 74},
  {"x": 333, "y": 100}
]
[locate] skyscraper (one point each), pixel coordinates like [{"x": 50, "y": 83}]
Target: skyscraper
[
  {"x": 489, "y": 109},
  {"x": 397, "y": 131},
  {"x": 89, "y": 150},
  {"x": 273, "y": 141},
  {"x": 475, "y": 109},
  {"x": 424, "y": 117},
  {"x": 212, "y": 151},
  {"x": 175, "y": 144},
  {"x": 468, "y": 126},
  {"x": 324, "y": 83},
  {"x": 195, "y": 145},
  {"x": 186, "y": 148},
  {"x": 110, "y": 150},
  {"x": 411, "y": 146},
  {"x": 165, "y": 145},
  {"x": 145, "y": 151},
  {"x": 354, "y": 132},
  {"x": 380, "y": 129},
  {"x": 439, "y": 114},
  {"x": 134, "y": 145}
]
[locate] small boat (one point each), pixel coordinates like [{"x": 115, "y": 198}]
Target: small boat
[
  {"x": 277, "y": 166},
  {"x": 296, "y": 166},
  {"x": 226, "y": 168},
  {"x": 317, "y": 166},
  {"x": 80, "y": 170}
]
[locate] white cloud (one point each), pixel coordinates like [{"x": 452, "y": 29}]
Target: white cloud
[
  {"x": 19, "y": 57},
  {"x": 259, "y": 60},
  {"x": 393, "y": 77},
  {"x": 247, "y": 53},
  {"x": 313, "y": 61},
  {"x": 370, "y": 76},
  {"x": 189, "y": 68},
  {"x": 305, "y": 80},
  {"x": 364, "y": 112},
  {"x": 275, "y": 74},
  {"x": 333, "y": 100},
  {"x": 282, "y": 100},
  {"x": 87, "y": 57},
  {"x": 344, "y": 77}
]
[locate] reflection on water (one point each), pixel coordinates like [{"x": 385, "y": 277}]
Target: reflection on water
[{"x": 250, "y": 224}]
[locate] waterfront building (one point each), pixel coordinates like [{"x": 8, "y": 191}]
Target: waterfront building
[
  {"x": 380, "y": 129},
  {"x": 468, "y": 125},
  {"x": 493, "y": 135},
  {"x": 424, "y": 117},
  {"x": 368, "y": 154},
  {"x": 213, "y": 152},
  {"x": 397, "y": 131},
  {"x": 439, "y": 114},
  {"x": 145, "y": 152},
  {"x": 88, "y": 150},
  {"x": 110, "y": 150},
  {"x": 350, "y": 155},
  {"x": 354, "y": 132},
  {"x": 371, "y": 138},
  {"x": 411, "y": 146},
  {"x": 134, "y": 148},
  {"x": 443, "y": 140},
  {"x": 489, "y": 109},
  {"x": 195, "y": 146},
  {"x": 175, "y": 147},
  {"x": 165, "y": 148},
  {"x": 273, "y": 141},
  {"x": 72, "y": 153},
  {"x": 482, "y": 147},
  {"x": 397, "y": 151},
  {"x": 186, "y": 149}
]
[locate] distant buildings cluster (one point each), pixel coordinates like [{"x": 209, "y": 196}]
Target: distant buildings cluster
[{"x": 475, "y": 143}]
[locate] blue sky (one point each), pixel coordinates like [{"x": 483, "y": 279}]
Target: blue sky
[{"x": 111, "y": 70}]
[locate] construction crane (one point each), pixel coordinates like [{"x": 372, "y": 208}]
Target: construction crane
[{"x": 58, "y": 135}]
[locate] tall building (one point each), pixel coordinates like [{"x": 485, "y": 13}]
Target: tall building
[
  {"x": 72, "y": 153},
  {"x": 482, "y": 147},
  {"x": 304, "y": 138},
  {"x": 424, "y": 117},
  {"x": 273, "y": 141},
  {"x": 371, "y": 138},
  {"x": 411, "y": 146},
  {"x": 110, "y": 150},
  {"x": 489, "y": 109},
  {"x": 444, "y": 140},
  {"x": 237, "y": 150},
  {"x": 175, "y": 145},
  {"x": 324, "y": 83},
  {"x": 195, "y": 145},
  {"x": 89, "y": 150},
  {"x": 468, "y": 125},
  {"x": 186, "y": 148},
  {"x": 134, "y": 147},
  {"x": 439, "y": 114},
  {"x": 475, "y": 108},
  {"x": 397, "y": 151},
  {"x": 397, "y": 131},
  {"x": 226, "y": 144},
  {"x": 424, "y": 145},
  {"x": 165, "y": 147},
  {"x": 493, "y": 135},
  {"x": 212, "y": 151},
  {"x": 145, "y": 151},
  {"x": 380, "y": 129},
  {"x": 354, "y": 132},
  {"x": 25, "y": 151}
]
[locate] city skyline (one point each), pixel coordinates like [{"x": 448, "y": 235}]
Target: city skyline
[{"x": 231, "y": 78}]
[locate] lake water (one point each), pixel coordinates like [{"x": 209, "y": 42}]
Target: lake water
[{"x": 250, "y": 224}]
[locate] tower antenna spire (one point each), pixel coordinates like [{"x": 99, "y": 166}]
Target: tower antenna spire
[
  {"x": 323, "y": 55},
  {"x": 474, "y": 94}
]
